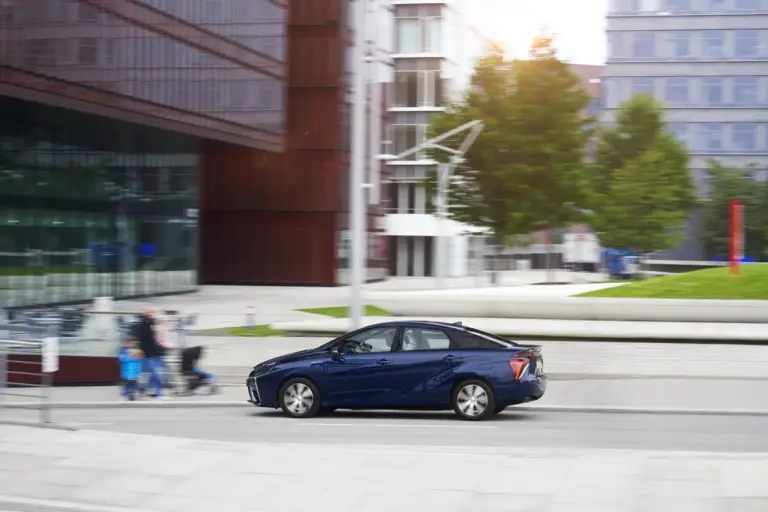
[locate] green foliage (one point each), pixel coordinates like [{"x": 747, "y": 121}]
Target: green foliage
[
  {"x": 715, "y": 283},
  {"x": 734, "y": 184},
  {"x": 641, "y": 188},
  {"x": 524, "y": 172}
]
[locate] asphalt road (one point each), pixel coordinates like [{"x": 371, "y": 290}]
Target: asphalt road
[{"x": 726, "y": 433}]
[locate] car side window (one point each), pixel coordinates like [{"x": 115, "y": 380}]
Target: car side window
[
  {"x": 370, "y": 342},
  {"x": 467, "y": 341},
  {"x": 425, "y": 339}
]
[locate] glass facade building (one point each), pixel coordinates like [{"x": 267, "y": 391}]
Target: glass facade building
[
  {"x": 105, "y": 108},
  {"x": 707, "y": 62}
]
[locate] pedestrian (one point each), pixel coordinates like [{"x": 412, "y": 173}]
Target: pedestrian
[
  {"x": 154, "y": 352},
  {"x": 130, "y": 358}
]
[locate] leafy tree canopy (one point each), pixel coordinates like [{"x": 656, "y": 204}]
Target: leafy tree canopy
[
  {"x": 641, "y": 191},
  {"x": 734, "y": 184},
  {"x": 524, "y": 172}
]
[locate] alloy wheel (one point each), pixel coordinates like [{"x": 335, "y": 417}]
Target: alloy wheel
[
  {"x": 298, "y": 398},
  {"x": 472, "y": 400}
]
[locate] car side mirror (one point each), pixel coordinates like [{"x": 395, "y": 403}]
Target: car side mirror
[{"x": 336, "y": 352}]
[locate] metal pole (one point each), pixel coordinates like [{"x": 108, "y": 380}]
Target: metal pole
[
  {"x": 442, "y": 198},
  {"x": 375, "y": 135},
  {"x": 357, "y": 170}
]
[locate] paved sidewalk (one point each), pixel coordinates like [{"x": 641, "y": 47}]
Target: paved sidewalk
[{"x": 153, "y": 473}]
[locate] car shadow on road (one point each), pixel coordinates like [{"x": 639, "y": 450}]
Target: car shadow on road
[{"x": 508, "y": 415}]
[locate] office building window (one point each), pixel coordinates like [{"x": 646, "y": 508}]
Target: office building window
[
  {"x": 610, "y": 93},
  {"x": 746, "y": 43},
  {"x": 747, "y": 5},
  {"x": 406, "y": 137},
  {"x": 713, "y": 44},
  {"x": 682, "y": 132},
  {"x": 431, "y": 35},
  {"x": 88, "y": 51},
  {"x": 406, "y": 88},
  {"x": 745, "y": 90},
  {"x": 641, "y": 85},
  {"x": 676, "y": 91},
  {"x": 643, "y": 6},
  {"x": 419, "y": 35},
  {"x": 678, "y": 44},
  {"x": 712, "y": 90},
  {"x": 709, "y": 137},
  {"x": 411, "y": 197},
  {"x": 715, "y": 5},
  {"x": 677, "y": 5},
  {"x": 408, "y": 36},
  {"x": 643, "y": 45},
  {"x": 616, "y": 45},
  {"x": 418, "y": 89},
  {"x": 41, "y": 52},
  {"x": 744, "y": 136}
]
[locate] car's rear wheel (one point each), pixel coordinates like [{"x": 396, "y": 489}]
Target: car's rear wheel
[
  {"x": 299, "y": 398},
  {"x": 473, "y": 400}
]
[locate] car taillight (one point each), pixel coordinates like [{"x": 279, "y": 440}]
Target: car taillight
[{"x": 518, "y": 366}]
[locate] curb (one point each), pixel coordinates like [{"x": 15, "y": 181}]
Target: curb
[
  {"x": 230, "y": 404},
  {"x": 599, "y": 409},
  {"x": 37, "y": 424},
  {"x": 115, "y": 404}
]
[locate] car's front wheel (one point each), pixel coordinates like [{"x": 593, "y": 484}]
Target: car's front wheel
[
  {"x": 299, "y": 398},
  {"x": 473, "y": 400}
]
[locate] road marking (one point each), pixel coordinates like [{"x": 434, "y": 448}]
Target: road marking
[{"x": 390, "y": 425}]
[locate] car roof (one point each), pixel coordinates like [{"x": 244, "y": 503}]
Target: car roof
[{"x": 418, "y": 323}]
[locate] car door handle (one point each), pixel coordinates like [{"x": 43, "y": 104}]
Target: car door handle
[
  {"x": 382, "y": 362},
  {"x": 451, "y": 358}
]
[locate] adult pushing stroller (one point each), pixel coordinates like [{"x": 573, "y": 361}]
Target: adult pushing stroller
[{"x": 194, "y": 376}]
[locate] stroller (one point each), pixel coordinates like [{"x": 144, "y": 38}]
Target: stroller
[{"x": 191, "y": 372}]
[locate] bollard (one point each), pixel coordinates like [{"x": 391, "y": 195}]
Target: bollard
[{"x": 250, "y": 317}]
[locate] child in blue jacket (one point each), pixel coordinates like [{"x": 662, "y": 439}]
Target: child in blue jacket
[{"x": 130, "y": 367}]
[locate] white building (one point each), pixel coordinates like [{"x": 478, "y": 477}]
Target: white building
[{"x": 434, "y": 52}]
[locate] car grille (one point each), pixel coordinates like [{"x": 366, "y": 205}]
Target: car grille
[{"x": 253, "y": 391}]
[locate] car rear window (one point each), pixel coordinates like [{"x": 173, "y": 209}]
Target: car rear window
[{"x": 468, "y": 341}]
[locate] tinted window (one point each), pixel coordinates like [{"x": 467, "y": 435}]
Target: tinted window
[
  {"x": 371, "y": 341},
  {"x": 425, "y": 339},
  {"x": 469, "y": 341}
]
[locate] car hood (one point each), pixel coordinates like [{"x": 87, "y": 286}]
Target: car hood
[{"x": 292, "y": 357}]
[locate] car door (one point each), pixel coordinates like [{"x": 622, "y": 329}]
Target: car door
[
  {"x": 424, "y": 364},
  {"x": 362, "y": 374}
]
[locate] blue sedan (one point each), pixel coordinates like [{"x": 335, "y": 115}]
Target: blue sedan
[{"x": 403, "y": 365}]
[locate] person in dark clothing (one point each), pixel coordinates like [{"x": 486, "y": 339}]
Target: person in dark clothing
[{"x": 153, "y": 351}]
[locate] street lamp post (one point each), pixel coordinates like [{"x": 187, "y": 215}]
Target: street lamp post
[
  {"x": 357, "y": 207},
  {"x": 444, "y": 173}
]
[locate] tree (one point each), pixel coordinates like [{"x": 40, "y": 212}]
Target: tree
[
  {"x": 641, "y": 187},
  {"x": 524, "y": 172},
  {"x": 734, "y": 184}
]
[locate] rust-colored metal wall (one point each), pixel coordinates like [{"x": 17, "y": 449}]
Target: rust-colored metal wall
[{"x": 271, "y": 218}]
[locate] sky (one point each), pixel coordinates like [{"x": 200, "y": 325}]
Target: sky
[{"x": 578, "y": 25}]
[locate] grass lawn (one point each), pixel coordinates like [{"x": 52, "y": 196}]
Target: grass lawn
[
  {"x": 343, "y": 311},
  {"x": 257, "y": 331},
  {"x": 263, "y": 331},
  {"x": 715, "y": 283}
]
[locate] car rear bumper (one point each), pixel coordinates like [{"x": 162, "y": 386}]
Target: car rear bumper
[{"x": 520, "y": 392}]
